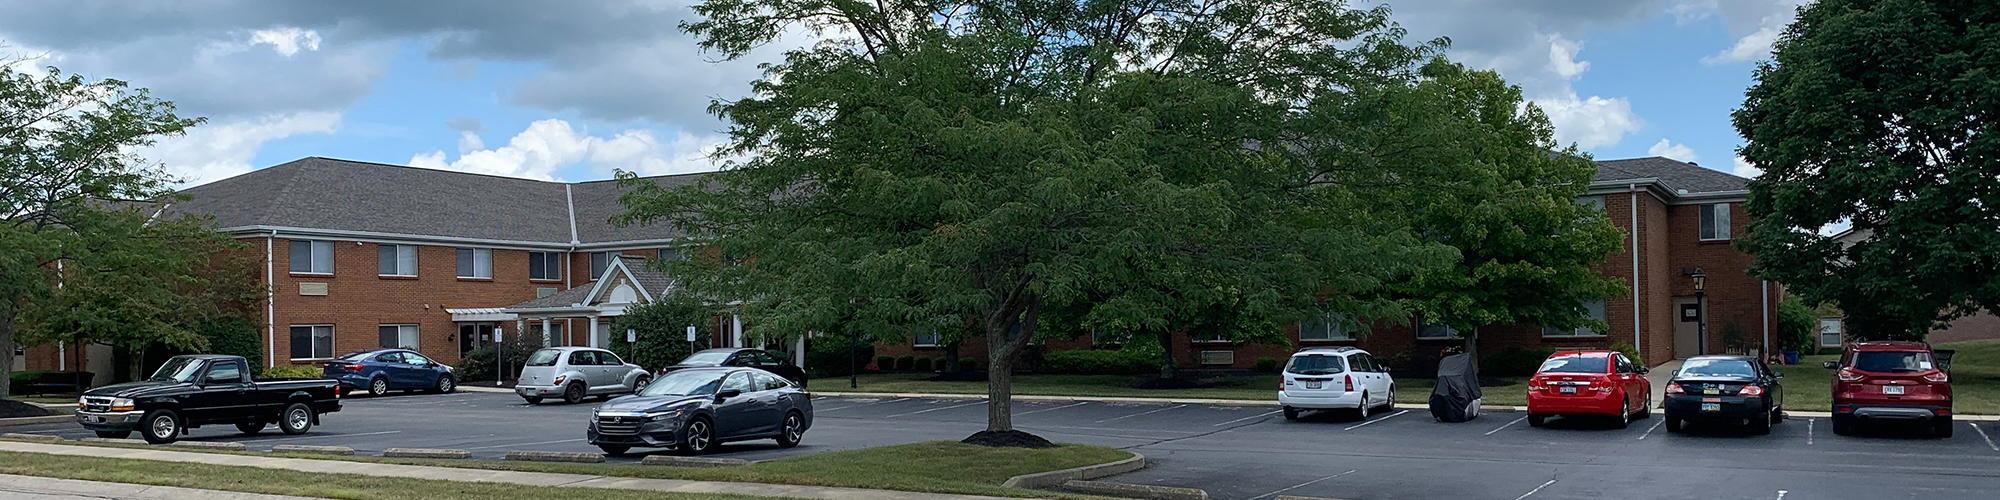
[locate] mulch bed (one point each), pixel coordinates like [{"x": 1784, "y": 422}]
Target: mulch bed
[
  {"x": 1008, "y": 439},
  {"x": 12, "y": 409}
]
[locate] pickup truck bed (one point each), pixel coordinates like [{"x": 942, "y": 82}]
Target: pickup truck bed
[{"x": 191, "y": 391}]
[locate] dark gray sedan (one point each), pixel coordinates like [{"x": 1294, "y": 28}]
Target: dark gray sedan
[{"x": 694, "y": 409}]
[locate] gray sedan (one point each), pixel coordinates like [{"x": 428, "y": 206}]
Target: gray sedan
[{"x": 693, "y": 410}]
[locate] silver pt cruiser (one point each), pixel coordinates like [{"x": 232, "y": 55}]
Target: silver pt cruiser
[{"x": 573, "y": 373}]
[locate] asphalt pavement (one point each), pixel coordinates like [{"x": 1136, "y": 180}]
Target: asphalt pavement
[{"x": 1252, "y": 453}]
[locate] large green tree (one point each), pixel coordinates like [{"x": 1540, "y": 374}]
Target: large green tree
[
  {"x": 1880, "y": 113},
  {"x": 65, "y": 145},
  {"x": 1527, "y": 245},
  {"x": 930, "y": 161}
]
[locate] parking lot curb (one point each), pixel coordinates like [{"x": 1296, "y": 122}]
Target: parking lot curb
[
  {"x": 675, "y": 461},
  {"x": 1146, "y": 491},
  {"x": 469, "y": 388},
  {"x": 32, "y": 438},
  {"x": 112, "y": 441},
  {"x": 1289, "y": 497},
  {"x": 313, "y": 450},
  {"x": 425, "y": 453},
  {"x": 51, "y": 419},
  {"x": 210, "y": 445},
  {"x": 555, "y": 456},
  {"x": 1056, "y": 478}
]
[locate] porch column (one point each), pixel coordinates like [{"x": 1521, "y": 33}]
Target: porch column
[
  {"x": 735, "y": 331},
  {"x": 799, "y": 352},
  {"x": 593, "y": 332},
  {"x": 547, "y": 339}
]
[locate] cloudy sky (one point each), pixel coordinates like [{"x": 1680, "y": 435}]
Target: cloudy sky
[{"x": 572, "y": 90}]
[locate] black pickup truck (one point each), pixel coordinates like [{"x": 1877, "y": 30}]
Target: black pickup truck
[{"x": 192, "y": 391}]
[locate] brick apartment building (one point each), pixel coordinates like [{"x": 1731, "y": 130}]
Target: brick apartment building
[{"x": 365, "y": 255}]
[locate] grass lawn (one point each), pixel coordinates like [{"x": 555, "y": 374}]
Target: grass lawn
[
  {"x": 1975, "y": 379},
  {"x": 932, "y": 467},
  {"x": 310, "y": 484},
  {"x": 1249, "y": 387}
]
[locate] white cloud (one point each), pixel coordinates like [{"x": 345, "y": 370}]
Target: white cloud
[
  {"x": 1666, "y": 148},
  {"x": 217, "y": 150},
  {"x": 469, "y": 142},
  {"x": 1744, "y": 168},
  {"x": 1562, "y": 57},
  {"x": 1755, "y": 24},
  {"x": 547, "y": 146},
  {"x": 1590, "y": 122},
  {"x": 286, "y": 40},
  {"x": 1751, "y": 47}
]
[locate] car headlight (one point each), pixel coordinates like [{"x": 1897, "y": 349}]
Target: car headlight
[
  {"x": 122, "y": 404},
  {"x": 665, "y": 415}
]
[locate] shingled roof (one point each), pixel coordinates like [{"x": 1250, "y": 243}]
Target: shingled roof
[
  {"x": 654, "y": 282},
  {"x": 1674, "y": 174}
]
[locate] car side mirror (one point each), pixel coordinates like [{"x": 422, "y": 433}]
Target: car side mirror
[
  {"x": 727, "y": 393},
  {"x": 1643, "y": 370},
  {"x": 1386, "y": 369},
  {"x": 1832, "y": 365},
  {"x": 1777, "y": 375}
]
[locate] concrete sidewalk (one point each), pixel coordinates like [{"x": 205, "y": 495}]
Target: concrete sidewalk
[
  {"x": 41, "y": 488},
  {"x": 486, "y": 476}
]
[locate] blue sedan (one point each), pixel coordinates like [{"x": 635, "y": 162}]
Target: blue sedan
[{"x": 384, "y": 370}]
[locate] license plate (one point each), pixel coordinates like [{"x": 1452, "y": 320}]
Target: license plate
[
  {"x": 1711, "y": 392},
  {"x": 94, "y": 419},
  {"x": 1312, "y": 384},
  {"x": 1566, "y": 390},
  {"x": 1711, "y": 407},
  {"x": 1892, "y": 389}
]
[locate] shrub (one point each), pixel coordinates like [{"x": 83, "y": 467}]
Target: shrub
[
  {"x": 1099, "y": 362},
  {"x": 234, "y": 336},
  {"x": 1515, "y": 362},
  {"x": 922, "y": 364},
  {"x": 1630, "y": 352},
  {"x": 1267, "y": 365},
  {"x": 46, "y": 381},
  {"x": 885, "y": 363},
  {"x": 1798, "y": 325},
  {"x": 827, "y": 357},
  {"x": 293, "y": 371},
  {"x": 661, "y": 332},
  {"x": 968, "y": 364},
  {"x": 906, "y": 362}
]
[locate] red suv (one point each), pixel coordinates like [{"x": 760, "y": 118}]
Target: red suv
[{"x": 1890, "y": 381}]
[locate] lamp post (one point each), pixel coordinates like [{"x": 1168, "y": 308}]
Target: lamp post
[{"x": 1701, "y": 311}]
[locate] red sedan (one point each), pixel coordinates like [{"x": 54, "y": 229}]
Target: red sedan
[{"x": 1597, "y": 383}]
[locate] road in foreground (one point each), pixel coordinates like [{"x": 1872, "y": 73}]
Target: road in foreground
[{"x": 1251, "y": 453}]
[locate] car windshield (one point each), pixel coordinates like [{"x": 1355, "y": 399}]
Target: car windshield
[
  {"x": 706, "y": 358},
  {"x": 684, "y": 384},
  {"x": 1893, "y": 362},
  {"x": 1729, "y": 368},
  {"x": 1576, "y": 364},
  {"x": 356, "y": 356},
  {"x": 179, "y": 369},
  {"x": 544, "y": 357},
  {"x": 1315, "y": 365}
]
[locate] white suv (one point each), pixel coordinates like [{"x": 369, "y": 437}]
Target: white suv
[{"x": 1335, "y": 378}]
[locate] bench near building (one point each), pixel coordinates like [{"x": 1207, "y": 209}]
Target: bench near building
[{"x": 365, "y": 255}]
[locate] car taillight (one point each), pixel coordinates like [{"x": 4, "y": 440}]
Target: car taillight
[
  {"x": 560, "y": 379},
  {"x": 1848, "y": 375},
  {"x": 1350, "y": 382},
  {"x": 1751, "y": 390},
  {"x": 1675, "y": 389},
  {"x": 353, "y": 367},
  {"x": 1284, "y": 381},
  {"x": 1937, "y": 377}
]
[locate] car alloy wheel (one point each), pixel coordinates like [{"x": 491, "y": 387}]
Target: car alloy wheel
[
  {"x": 794, "y": 431},
  {"x": 446, "y": 385},
  {"x": 161, "y": 427},
  {"x": 378, "y": 387},
  {"x": 698, "y": 437},
  {"x": 1624, "y": 413},
  {"x": 640, "y": 385}
]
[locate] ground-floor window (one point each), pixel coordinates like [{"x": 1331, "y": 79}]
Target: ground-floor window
[
  {"x": 1429, "y": 330},
  {"x": 398, "y": 336},
  {"x": 312, "y": 341},
  {"x": 926, "y": 337},
  {"x": 1593, "y": 310},
  {"x": 473, "y": 336},
  {"x": 1327, "y": 325},
  {"x": 1830, "y": 330}
]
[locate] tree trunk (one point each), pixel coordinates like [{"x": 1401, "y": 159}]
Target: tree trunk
[
  {"x": 1002, "y": 354},
  {"x": 138, "y": 362},
  {"x": 6, "y": 355},
  {"x": 951, "y": 358},
  {"x": 1472, "y": 347},
  {"x": 1168, "y": 369}
]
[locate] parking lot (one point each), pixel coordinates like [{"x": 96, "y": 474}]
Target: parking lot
[{"x": 1252, "y": 453}]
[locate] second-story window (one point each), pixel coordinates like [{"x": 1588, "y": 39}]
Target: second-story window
[
  {"x": 312, "y": 256},
  {"x": 1714, "y": 221},
  {"x": 396, "y": 260},
  {"x": 599, "y": 261},
  {"x": 544, "y": 265},
  {"x": 475, "y": 263}
]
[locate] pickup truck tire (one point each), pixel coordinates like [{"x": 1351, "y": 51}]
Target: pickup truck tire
[
  {"x": 378, "y": 387},
  {"x": 573, "y": 394},
  {"x": 445, "y": 385},
  {"x": 114, "y": 434},
  {"x": 160, "y": 426},
  {"x": 251, "y": 428},
  {"x": 297, "y": 419}
]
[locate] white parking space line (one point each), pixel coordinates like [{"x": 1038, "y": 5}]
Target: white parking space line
[
  {"x": 571, "y": 440},
  {"x": 1504, "y": 427},
  {"x": 1982, "y": 434},
  {"x": 938, "y": 409},
  {"x": 1052, "y": 409},
  {"x": 861, "y": 405},
  {"x": 1809, "y": 431},
  {"x": 1649, "y": 430},
  {"x": 1148, "y": 412},
  {"x": 1359, "y": 425},
  {"x": 1266, "y": 414},
  {"x": 1301, "y": 485},
  {"x": 1781, "y": 494},
  {"x": 1536, "y": 490}
]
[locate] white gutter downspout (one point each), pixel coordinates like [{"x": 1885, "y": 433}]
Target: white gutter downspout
[
  {"x": 1638, "y": 343},
  {"x": 62, "y": 348},
  {"x": 1765, "y": 350},
  {"x": 270, "y": 305}
]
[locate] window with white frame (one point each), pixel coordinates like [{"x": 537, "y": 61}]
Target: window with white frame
[
  {"x": 1830, "y": 332},
  {"x": 927, "y": 337},
  {"x": 314, "y": 257},
  {"x": 475, "y": 263},
  {"x": 312, "y": 341},
  {"x": 671, "y": 253},
  {"x": 396, "y": 260},
  {"x": 1327, "y": 325},
  {"x": 1595, "y": 201},
  {"x": 545, "y": 265},
  {"x": 1209, "y": 336},
  {"x": 1714, "y": 221},
  {"x": 398, "y": 336},
  {"x": 1426, "y": 330},
  {"x": 1593, "y": 310},
  {"x": 598, "y": 262}
]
